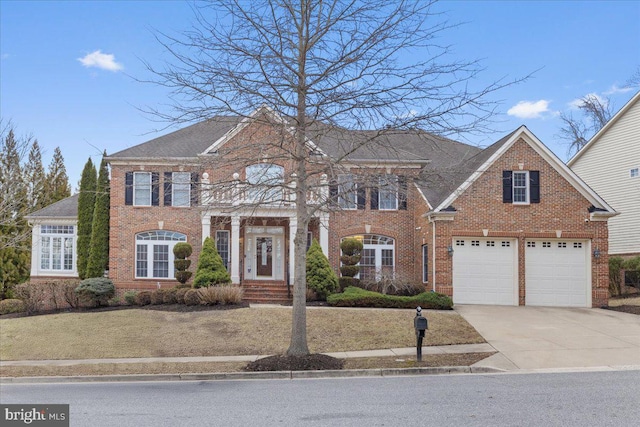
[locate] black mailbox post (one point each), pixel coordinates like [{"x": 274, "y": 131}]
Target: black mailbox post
[{"x": 420, "y": 324}]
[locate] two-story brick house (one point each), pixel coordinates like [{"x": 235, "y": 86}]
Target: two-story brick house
[{"x": 510, "y": 224}]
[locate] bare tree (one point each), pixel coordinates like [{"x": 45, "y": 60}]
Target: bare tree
[
  {"x": 324, "y": 69},
  {"x": 595, "y": 112},
  {"x": 634, "y": 80}
]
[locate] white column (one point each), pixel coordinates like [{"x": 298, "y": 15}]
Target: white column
[
  {"x": 324, "y": 233},
  {"x": 235, "y": 249},
  {"x": 206, "y": 225},
  {"x": 293, "y": 227},
  {"x": 35, "y": 249}
]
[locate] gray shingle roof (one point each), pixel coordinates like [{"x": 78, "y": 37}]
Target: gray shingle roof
[{"x": 65, "y": 208}]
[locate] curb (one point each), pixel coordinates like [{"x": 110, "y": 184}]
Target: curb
[{"x": 273, "y": 375}]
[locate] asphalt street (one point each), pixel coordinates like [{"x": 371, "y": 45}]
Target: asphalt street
[{"x": 609, "y": 398}]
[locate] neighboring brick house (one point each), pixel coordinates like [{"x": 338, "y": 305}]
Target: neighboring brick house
[{"x": 510, "y": 224}]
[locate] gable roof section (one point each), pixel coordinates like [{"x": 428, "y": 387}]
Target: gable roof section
[
  {"x": 499, "y": 148},
  {"x": 187, "y": 142},
  {"x": 65, "y": 208},
  {"x": 605, "y": 128}
]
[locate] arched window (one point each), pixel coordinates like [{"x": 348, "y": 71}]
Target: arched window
[
  {"x": 265, "y": 182},
  {"x": 154, "y": 253},
  {"x": 378, "y": 256}
]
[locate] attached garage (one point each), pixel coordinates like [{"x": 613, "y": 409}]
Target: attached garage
[
  {"x": 485, "y": 271},
  {"x": 557, "y": 273}
]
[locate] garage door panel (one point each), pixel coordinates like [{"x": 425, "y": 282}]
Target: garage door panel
[
  {"x": 484, "y": 272},
  {"x": 557, "y": 273}
]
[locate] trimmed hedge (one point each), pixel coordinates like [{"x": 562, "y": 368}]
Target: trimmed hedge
[
  {"x": 11, "y": 305},
  {"x": 357, "y": 297},
  {"x": 143, "y": 298}
]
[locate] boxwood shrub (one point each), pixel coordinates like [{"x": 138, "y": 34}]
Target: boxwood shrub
[
  {"x": 95, "y": 292},
  {"x": 10, "y": 305},
  {"x": 357, "y": 297}
]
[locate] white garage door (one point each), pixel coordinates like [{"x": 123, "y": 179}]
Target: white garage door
[
  {"x": 558, "y": 273},
  {"x": 485, "y": 271}
]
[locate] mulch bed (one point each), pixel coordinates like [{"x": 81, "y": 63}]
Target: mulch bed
[
  {"x": 633, "y": 309},
  {"x": 310, "y": 362}
]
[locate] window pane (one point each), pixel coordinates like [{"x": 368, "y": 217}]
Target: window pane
[
  {"x": 181, "y": 186},
  {"x": 425, "y": 263},
  {"x": 142, "y": 189},
  {"x": 368, "y": 264},
  {"x": 388, "y": 193},
  {"x": 45, "y": 253},
  {"x": 222, "y": 245},
  {"x": 520, "y": 187},
  {"x": 56, "y": 253},
  {"x": 141, "y": 261},
  {"x": 160, "y": 261},
  {"x": 68, "y": 253},
  {"x": 347, "y": 189},
  {"x": 265, "y": 181}
]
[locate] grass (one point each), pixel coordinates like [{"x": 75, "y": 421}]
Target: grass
[
  {"x": 464, "y": 359},
  {"x": 154, "y": 333}
]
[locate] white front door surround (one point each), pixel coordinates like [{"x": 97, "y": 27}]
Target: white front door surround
[{"x": 264, "y": 253}]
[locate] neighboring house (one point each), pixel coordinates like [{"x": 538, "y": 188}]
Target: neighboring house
[
  {"x": 510, "y": 224},
  {"x": 610, "y": 164},
  {"x": 54, "y": 240}
]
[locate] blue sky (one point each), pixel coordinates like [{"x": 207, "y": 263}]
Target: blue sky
[{"x": 66, "y": 68}]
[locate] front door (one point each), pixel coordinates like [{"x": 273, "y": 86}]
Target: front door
[{"x": 264, "y": 257}]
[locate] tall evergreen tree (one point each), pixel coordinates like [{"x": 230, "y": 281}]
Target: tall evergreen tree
[
  {"x": 86, "y": 204},
  {"x": 57, "y": 185},
  {"x": 35, "y": 179},
  {"x": 99, "y": 247},
  {"x": 14, "y": 232}
]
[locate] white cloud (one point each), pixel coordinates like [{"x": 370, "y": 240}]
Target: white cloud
[
  {"x": 577, "y": 103},
  {"x": 529, "y": 110},
  {"x": 615, "y": 89},
  {"x": 101, "y": 60}
]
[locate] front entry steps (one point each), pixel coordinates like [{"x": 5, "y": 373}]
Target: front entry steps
[{"x": 265, "y": 292}]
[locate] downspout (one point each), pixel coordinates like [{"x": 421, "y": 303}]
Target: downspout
[{"x": 433, "y": 255}]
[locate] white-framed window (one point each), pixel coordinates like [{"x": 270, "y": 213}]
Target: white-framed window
[
  {"x": 634, "y": 172},
  {"x": 520, "y": 187},
  {"x": 347, "y": 191},
  {"x": 222, "y": 246},
  {"x": 142, "y": 188},
  {"x": 265, "y": 181},
  {"x": 154, "y": 253},
  {"x": 425, "y": 263},
  {"x": 309, "y": 239},
  {"x": 378, "y": 257},
  {"x": 56, "y": 247},
  {"x": 388, "y": 192},
  {"x": 181, "y": 189}
]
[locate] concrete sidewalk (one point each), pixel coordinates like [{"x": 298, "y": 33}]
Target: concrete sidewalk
[
  {"x": 392, "y": 352},
  {"x": 545, "y": 338}
]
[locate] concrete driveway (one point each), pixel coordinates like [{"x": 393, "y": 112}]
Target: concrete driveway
[{"x": 549, "y": 338}]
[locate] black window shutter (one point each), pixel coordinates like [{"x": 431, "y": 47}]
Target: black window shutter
[
  {"x": 361, "y": 197},
  {"x": 194, "y": 189},
  {"x": 128, "y": 188},
  {"x": 155, "y": 189},
  {"x": 333, "y": 193},
  {"x": 374, "y": 197},
  {"x": 168, "y": 188},
  {"x": 402, "y": 193},
  {"x": 534, "y": 186},
  {"x": 507, "y": 192}
]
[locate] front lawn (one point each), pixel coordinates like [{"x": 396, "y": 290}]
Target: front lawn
[{"x": 244, "y": 331}]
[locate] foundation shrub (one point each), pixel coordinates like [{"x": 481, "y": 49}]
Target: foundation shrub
[
  {"x": 180, "y": 292},
  {"x": 95, "y": 292},
  {"x": 358, "y": 297},
  {"x": 223, "y": 295},
  {"x": 143, "y": 298},
  {"x": 320, "y": 276},
  {"x": 130, "y": 297},
  {"x": 44, "y": 296},
  {"x": 170, "y": 296},
  {"x": 210, "y": 270},
  {"x": 616, "y": 264},
  {"x": 157, "y": 296},
  {"x": 390, "y": 285},
  {"x": 192, "y": 297},
  {"x": 12, "y": 305}
]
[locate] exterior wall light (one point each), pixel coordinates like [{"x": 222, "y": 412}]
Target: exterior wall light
[
  {"x": 596, "y": 253},
  {"x": 450, "y": 250}
]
